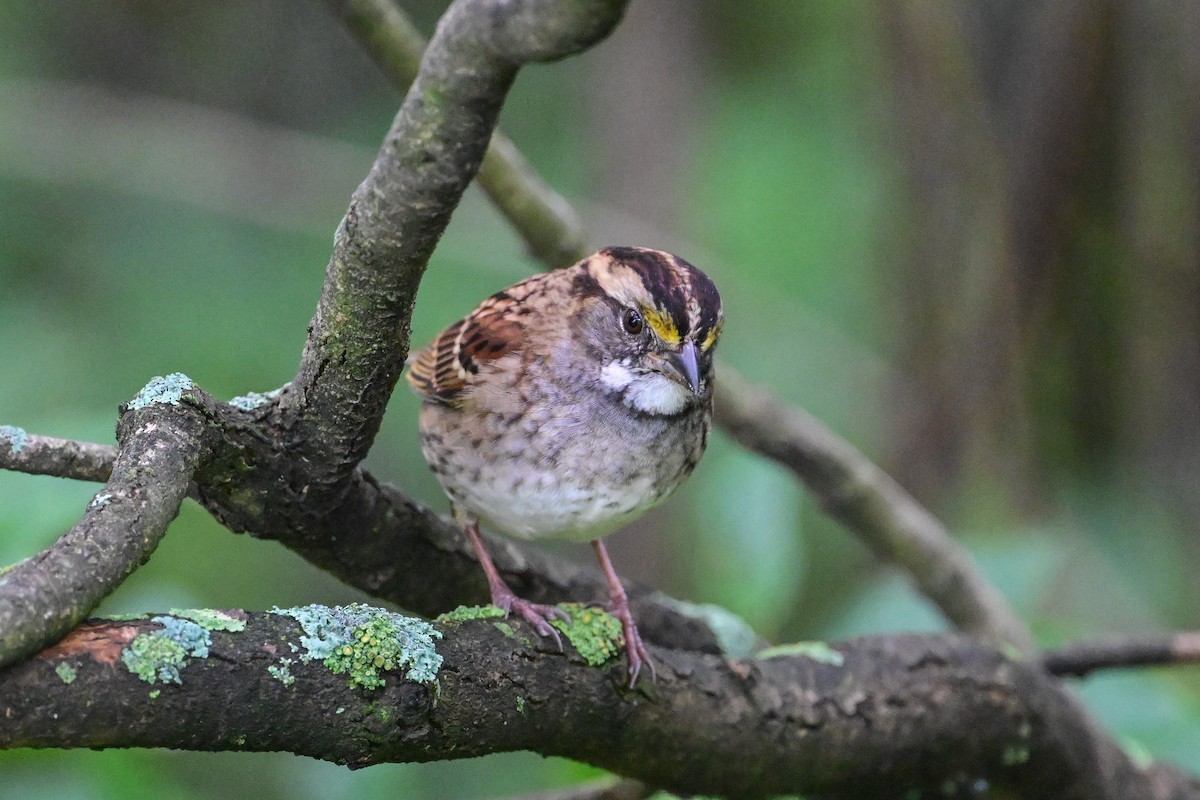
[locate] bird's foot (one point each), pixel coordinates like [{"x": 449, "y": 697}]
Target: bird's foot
[
  {"x": 535, "y": 614},
  {"x": 636, "y": 654}
]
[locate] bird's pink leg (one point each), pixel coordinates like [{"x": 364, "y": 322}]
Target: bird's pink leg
[
  {"x": 635, "y": 652},
  {"x": 535, "y": 614}
]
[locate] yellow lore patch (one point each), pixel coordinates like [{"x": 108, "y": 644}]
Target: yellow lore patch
[{"x": 662, "y": 324}]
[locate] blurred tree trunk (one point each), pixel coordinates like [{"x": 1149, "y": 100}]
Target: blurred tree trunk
[{"x": 1047, "y": 287}]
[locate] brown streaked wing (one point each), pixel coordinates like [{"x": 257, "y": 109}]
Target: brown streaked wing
[{"x": 444, "y": 369}]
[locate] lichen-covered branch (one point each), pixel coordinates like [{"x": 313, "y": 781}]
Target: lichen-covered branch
[
  {"x": 358, "y": 338},
  {"x": 847, "y": 485},
  {"x": 923, "y": 715},
  {"x": 46, "y": 455},
  {"x": 162, "y": 441}
]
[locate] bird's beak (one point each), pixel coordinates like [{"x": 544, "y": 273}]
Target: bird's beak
[{"x": 686, "y": 366}]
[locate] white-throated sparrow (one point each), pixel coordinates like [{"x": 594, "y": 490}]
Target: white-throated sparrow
[{"x": 569, "y": 404}]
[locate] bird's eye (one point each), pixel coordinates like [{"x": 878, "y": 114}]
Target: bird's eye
[{"x": 632, "y": 321}]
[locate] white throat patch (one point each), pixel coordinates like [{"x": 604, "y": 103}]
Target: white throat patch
[{"x": 647, "y": 392}]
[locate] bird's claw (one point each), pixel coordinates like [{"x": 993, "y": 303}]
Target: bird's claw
[{"x": 536, "y": 614}]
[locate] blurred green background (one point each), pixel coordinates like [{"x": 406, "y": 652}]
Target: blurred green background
[{"x": 964, "y": 237}]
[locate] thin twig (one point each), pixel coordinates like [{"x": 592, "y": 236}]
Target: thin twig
[
  {"x": 1117, "y": 652},
  {"x": 847, "y": 485}
]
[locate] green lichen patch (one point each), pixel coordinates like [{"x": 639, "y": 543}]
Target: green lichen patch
[
  {"x": 281, "y": 671},
  {"x": 167, "y": 391},
  {"x": 16, "y": 437},
  {"x": 159, "y": 656},
  {"x": 364, "y": 642},
  {"x": 255, "y": 400},
  {"x": 153, "y": 657},
  {"x": 466, "y": 613},
  {"x": 508, "y": 630},
  {"x": 210, "y": 619},
  {"x": 66, "y": 673},
  {"x": 817, "y": 651},
  {"x": 594, "y": 633}
]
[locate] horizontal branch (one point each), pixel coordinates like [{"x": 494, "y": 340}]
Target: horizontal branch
[
  {"x": 913, "y": 714},
  {"x": 162, "y": 441},
  {"x": 47, "y": 455},
  {"x": 1115, "y": 652}
]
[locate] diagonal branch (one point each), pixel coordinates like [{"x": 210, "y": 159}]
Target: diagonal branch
[
  {"x": 162, "y": 442},
  {"x": 849, "y": 487},
  {"x": 906, "y": 715},
  {"x": 549, "y": 225}
]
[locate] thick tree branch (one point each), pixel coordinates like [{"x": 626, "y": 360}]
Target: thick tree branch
[
  {"x": 849, "y": 487},
  {"x": 903, "y": 713},
  {"x": 162, "y": 441}
]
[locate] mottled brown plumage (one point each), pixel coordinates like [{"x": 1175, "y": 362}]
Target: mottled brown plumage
[{"x": 570, "y": 403}]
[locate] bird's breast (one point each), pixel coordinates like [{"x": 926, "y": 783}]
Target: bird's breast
[{"x": 559, "y": 470}]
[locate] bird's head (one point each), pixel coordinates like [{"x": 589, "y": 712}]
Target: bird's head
[{"x": 653, "y": 322}]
